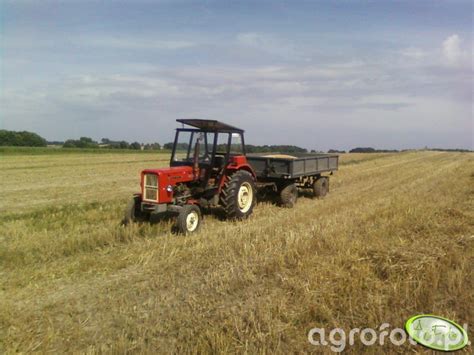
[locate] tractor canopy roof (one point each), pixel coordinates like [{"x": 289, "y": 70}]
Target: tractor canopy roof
[{"x": 209, "y": 125}]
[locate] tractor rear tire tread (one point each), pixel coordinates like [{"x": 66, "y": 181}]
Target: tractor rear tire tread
[{"x": 228, "y": 197}]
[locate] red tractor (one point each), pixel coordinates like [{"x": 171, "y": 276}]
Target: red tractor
[{"x": 208, "y": 168}]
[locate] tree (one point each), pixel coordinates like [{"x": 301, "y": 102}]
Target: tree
[
  {"x": 83, "y": 142},
  {"x": 124, "y": 145},
  {"x": 152, "y": 146},
  {"x": 274, "y": 149},
  {"x": 70, "y": 143},
  {"x": 135, "y": 145},
  {"x": 336, "y": 151},
  {"x": 21, "y": 139},
  {"x": 362, "y": 150},
  {"x": 168, "y": 146},
  {"x": 372, "y": 150},
  {"x": 86, "y": 142}
]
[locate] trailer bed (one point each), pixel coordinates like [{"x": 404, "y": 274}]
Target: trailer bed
[{"x": 280, "y": 167}]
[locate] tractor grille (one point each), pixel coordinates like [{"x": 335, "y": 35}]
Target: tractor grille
[{"x": 150, "y": 187}]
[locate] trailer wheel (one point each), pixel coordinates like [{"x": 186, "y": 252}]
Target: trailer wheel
[
  {"x": 238, "y": 195},
  {"x": 288, "y": 195},
  {"x": 133, "y": 212},
  {"x": 321, "y": 187},
  {"x": 189, "y": 219}
]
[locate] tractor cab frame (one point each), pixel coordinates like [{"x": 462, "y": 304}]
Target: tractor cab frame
[{"x": 209, "y": 147}]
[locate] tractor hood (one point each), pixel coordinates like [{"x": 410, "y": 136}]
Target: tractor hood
[
  {"x": 173, "y": 174},
  {"x": 160, "y": 189}
]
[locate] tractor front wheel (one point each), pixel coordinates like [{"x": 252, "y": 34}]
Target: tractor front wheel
[
  {"x": 189, "y": 219},
  {"x": 238, "y": 195},
  {"x": 133, "y": 212}
]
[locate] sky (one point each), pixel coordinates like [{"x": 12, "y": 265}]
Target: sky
[{"x": 317, "y": 74}]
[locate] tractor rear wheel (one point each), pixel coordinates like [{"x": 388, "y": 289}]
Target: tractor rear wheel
[
  {"x": 133, "y": 212},
  {"x": 289, "y": 195},
  {"x": 321, "y": 187},
  {"x": 238, "y": 196},
  {"x": 189, "y": 219}
]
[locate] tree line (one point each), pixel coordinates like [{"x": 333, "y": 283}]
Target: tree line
[
  {"x": 105, "y": 143},
  {"x": 372, "y": 150},
  {"x": 30, "y": 139},
  {"x": 249, "y": 148}
]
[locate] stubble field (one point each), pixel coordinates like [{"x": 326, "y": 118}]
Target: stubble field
[{"x": 394, "y": 238}]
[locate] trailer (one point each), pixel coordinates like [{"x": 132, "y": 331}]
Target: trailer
[
  {"x": 276, "y": 166},
  {"x": 284, "y": 174}
]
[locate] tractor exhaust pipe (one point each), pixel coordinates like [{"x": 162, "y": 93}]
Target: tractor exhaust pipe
[{"x": 196, "y": 159}]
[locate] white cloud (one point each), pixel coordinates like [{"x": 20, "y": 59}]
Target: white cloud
[
  {"x": 380, "y": 95},
  {"x": 452, "y": 49}
]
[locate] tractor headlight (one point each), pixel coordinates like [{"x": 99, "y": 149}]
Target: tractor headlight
[{"x": 169, "y": 188}]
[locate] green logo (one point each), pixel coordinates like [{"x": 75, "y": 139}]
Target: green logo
[{"x": 436, "y": 333}]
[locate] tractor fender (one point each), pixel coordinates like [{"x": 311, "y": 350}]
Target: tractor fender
[
  {"x": 231, "y": 169},
  {"x": 239, "y": 162},
  {"x": 245, "y": 167}
]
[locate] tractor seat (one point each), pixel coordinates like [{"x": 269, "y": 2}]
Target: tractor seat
[{"x": 219, "y": 162}]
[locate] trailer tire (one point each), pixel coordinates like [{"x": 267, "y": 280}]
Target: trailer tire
[
  {"x": 189, "y": 219},
  {"x": 321, "y": 187},
  {"x": 238, "y": 197},
  {"x": 288, "y": 196},
  {"x": 133, "y": 212}
]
